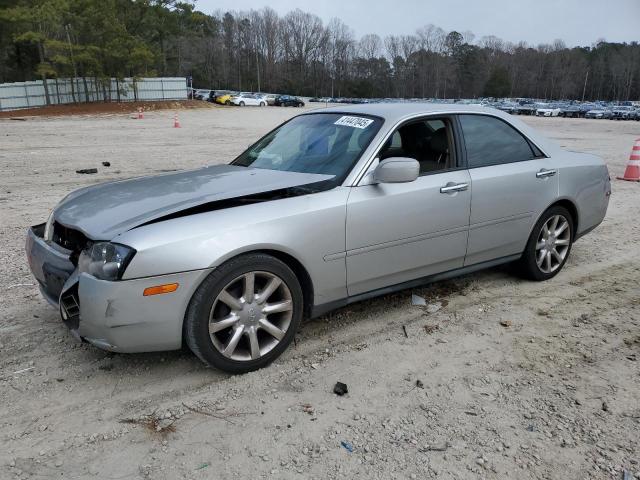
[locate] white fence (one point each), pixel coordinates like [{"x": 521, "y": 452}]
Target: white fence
[{"x": 80, "y": 90}]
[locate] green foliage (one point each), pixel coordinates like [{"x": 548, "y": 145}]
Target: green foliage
[
  {"x": 98, "y": 38},
  {"x": 453, "y": 43},
  {"x": 498, "y": 84},
  {"x": 295, "y": 53}
]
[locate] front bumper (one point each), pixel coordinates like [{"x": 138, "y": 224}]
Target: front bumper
[
  {"x": 114, "y": 316},
  {"x": 50, "y": 264}
]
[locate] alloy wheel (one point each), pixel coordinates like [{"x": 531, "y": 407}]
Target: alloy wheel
[
  {"x": 250, "y": 315},
  {"x": 553, "y": 243}
]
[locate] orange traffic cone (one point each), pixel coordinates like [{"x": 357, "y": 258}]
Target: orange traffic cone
[
  {"x": 140, "y": 113},
  {"x": 176, "y": 122},
  {"x": 632, "y": 173}
]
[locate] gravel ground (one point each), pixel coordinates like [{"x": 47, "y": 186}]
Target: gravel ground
[{"x": 496, "y": 378}]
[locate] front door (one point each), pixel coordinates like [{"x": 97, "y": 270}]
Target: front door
[{"x": 397, "y": 232}]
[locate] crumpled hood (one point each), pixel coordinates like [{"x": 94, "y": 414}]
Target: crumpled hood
[{"x": 103, "y": 211}]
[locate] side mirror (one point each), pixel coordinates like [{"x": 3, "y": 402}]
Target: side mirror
[{"x": 396, "y": 170}]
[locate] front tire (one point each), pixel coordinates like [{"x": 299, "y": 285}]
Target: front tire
[
  {"x": 549, "y": 245},
  {"x": 244, "y": 314}
]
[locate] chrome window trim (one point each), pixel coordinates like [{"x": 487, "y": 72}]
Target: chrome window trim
[{"x": 354, "y": 178}]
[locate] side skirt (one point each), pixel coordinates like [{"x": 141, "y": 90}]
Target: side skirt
[{"x": 319, "y": 310}]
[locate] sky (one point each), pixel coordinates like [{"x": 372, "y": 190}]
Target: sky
[{"x": 577, "y": 22}]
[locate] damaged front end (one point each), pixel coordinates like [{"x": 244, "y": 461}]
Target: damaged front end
[
  {"x": 84, "y": 283},
  {"x": 54, "y": 264},
  {"x": 80, "y": 266},
  {"x": 58, "y": 255}
]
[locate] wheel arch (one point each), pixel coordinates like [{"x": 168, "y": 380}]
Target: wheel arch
[
  {"x": 299, "y": 270},
  {"x": 288, "y": 258},
  {"x": 570, "y": 206},
  {"x": 573, "y": 210}
]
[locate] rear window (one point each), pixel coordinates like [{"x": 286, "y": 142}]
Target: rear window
[{"x": 491, "y": 141}]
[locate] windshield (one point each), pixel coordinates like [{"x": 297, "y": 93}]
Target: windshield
[{"x": 326, "y": 143}]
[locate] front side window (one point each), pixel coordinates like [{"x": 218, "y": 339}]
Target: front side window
[
  {"x": 427, "y": 141},
  {"x": 326, "y": 143},
  {"x": 490, "y": 141}
]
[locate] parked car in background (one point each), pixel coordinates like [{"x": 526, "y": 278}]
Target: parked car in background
[
  {"x": 201, "y": 94},
  {"x": 270, "y": 98},
  {"x": 243, "y": 99},
  {"x": 622, "y": 113},
  {"x": 543, "y": 110},
  {"x": 598, "y": 113},
  {"x": 571, "y": 111},
  {"x": 525, "y": 109},
  {"x": 220, "y": 96},
  {"x": 332, "y": 207},
  {"x": 585, "y": 107},
  {"x": 508, "y": 107},
  {"x": 288, "y": 101},
  {"x": 195, "y": 94}
]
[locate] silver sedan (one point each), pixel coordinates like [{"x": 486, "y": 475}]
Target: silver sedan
[{"x": 332, "y": 207}]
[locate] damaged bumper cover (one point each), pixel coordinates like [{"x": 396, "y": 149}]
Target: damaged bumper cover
[{"x": 112, "y": 315}]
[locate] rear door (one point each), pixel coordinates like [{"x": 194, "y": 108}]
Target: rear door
[
  {"x": 398, "y": 232},
  {"x": 513, "y": 183}
]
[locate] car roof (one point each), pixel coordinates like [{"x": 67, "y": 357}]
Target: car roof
[{"x": 394, "y": 112}]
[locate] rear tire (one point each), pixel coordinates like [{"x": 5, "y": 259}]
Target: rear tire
[
  {"x": 258, "y": 327},
  {"x": 549, "y": 245}
]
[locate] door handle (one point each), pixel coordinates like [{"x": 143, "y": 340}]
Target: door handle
[
  {"x": 454, "y": 187},
  {"x": 544, "y": 173}
]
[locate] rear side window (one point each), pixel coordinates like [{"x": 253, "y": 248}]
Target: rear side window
[{"x": 490, "y": 141}]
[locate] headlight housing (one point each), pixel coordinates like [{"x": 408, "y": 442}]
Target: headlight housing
[{"x": 105, "y": 260}]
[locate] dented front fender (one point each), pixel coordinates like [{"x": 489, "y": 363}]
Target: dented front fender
[{"x": 116, "y": 316}]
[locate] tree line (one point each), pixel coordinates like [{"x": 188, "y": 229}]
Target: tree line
[{"x": 297, "y": 53}]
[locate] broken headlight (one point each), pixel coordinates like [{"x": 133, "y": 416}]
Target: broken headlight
[{"x": 105, "y": 260}]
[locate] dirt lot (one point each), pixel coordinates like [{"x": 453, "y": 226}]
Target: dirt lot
[{"x": 555, "y": 394}]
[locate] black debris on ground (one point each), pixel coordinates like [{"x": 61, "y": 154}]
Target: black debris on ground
[{"x": 340, "y": 389}]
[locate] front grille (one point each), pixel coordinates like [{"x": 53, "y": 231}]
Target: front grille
[{"x": 68, "y": 238}]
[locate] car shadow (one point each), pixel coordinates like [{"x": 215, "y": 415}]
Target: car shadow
[{"x": 184, "y": 368}]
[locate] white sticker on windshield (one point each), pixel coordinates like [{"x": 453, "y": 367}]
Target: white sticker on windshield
[{"x": 355, "y": 122}]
